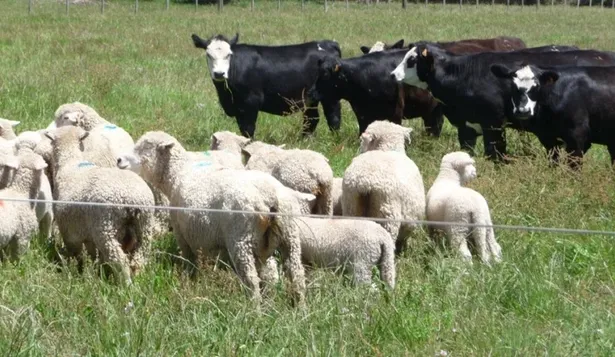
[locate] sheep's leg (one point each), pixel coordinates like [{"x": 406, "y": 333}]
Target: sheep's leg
[
  {"x": 479, "y": 237},
  {"x": 45, "y": 226},
  {"x": 457, "y": 237},
  {"x": 291, "y": 255},
  {"x": 362, "y": 273},
  {"x": 494, "y": 247},
  {"x": 269, "y": 271},
  {"x": 17, "y": 247},
  {"x": 186, "y": 252},
  {"x": 245, "y": 266},
  {"x": 107, "y": 239}
]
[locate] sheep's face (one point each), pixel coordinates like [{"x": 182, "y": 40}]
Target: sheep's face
[
  {"x": 153, "y": 154},
  {"x": 225, "y": 140},
  {"x": 8, "y": 164},
  {"x": 70, "y": 118},
  {"x": 295, "y": 202},
  {"x": 6, "y": 128},
  {"x": 129, "y": 161},
  {"x": 462, "y": 163},
  {"x": 67, "y": 143},
  {"x": 468, "y": 174}
]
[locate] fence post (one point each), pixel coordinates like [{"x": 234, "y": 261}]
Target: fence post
[
  {"x": 602, "y": 4},
  {"x": 67, "y": 2},
  {"x": 220, "y": 5},
  {"x": 460, "y": 3},
  {"x": 552, "y": 3},
  {"x": 578, "y": 4},
  {"x": 507, "y": 3},
  {"x": 279, "y": 4},
  {"x": 538, "y": 4},
  {"x": 196, "y": 5},
  {"x": 443, "y": 2},
  {"x": 102, "y": 6},
  {"x": 347, "y": 6},
  {"x": 326, "y": 6},
  {"x": 476, "y": 2},
  {"x": 252, "y": 4},
  {"x": 522, "y": 3},
  {"x": 29, "y": 6},
  {"x": 426, "y": 3},
  {"x": 403, "y": 4},
  {"x": 590, "y": 4},
  {"x": 136, "y": 6},
  {"x": 167, "y": 4}
]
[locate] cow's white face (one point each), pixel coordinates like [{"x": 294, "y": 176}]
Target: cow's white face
[
  {"x": 219, "y": 59},
  {"x": 526, "y": 83},
  {"x": 406, "y": 70},
  {"x": 377, "y": 47}
]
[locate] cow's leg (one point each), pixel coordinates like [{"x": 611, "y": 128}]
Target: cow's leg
[
  {"x": 494, "y": 139},
  {"x": 550, "y": 144},
  {"x": 310, "y": 120},
  {"x": 434, "y": 121},
  {"x": 333, "y": 113},
  {"x": 467, "y": 137},
  {"x": 247, "y": 123},
  {"x": 611, "y": 148}
]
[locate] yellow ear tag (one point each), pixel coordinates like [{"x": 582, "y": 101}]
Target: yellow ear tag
[
  {"x": 424, "y": 53},
  {"x": 337, "y": 68}
]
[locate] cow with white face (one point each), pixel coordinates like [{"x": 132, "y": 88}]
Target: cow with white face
[
  {"x": 272, "y": 79},
  {"x": 405, "y": 72},
  {"x": 525, "y": 83},
  {"x": 380, "y": 46}
]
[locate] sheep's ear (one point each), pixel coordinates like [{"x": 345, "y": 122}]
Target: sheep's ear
[
  {"x": 40, "y": 164},
  {"x": 12, "y": 162},
  {"x": 407, "y": 136},
  {"x": 84, "y": 135},
  {"x": 282, "y": 146},
  {"x": 366, "y": 137},
  {"x": 166, "y": 145},
  {"x": 50, "y": 135},
  {"x": 13, "y": 123},
  {"x": 245, "y": 156}
]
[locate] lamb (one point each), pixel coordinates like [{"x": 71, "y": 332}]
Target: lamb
[
  {"x": 18, "y": 219},
  {"x": 302, "y": 170},
  {"x": 385, "y": 184},
  {"x": 336, "y": 195},
  {"x": 6, "y": 129},
  {"x": 121, "y": 236},
  {"x": 247, "y": 240},
  {"x": 356, "y": 245},
  {"x": 7, "y": 152},
  {"x": 449, "y": 201},
  {"x": 84, "y": 116},
  {"x": 26, "y": 142}
]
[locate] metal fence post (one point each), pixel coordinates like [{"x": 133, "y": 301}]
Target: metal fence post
[
  {"x": 67, "y": 6},
  {"x": 102, "y": 6},
  {"x": 136, "y": 6},
  {"x": 590, "y": 4},
  {"x": 403, "y": 4},
  {"x": 347, "y": 6},
  {"x": 460, "y": 3},
  {"x": 326, "y": 6},
  {"x": 578, "y": 3},
  {"x": 252, "y": 4},
  {"x": 220, "y": 5},
  {"x": 538, "y": 4},
  {"x": 279, "y": 4},
  {"x": 476, "y": 2},
  {"x": 29, "y": 6},
  {"x": 196, "y": 5},
  {"x": 507, "y": 3},
  {"x": 167, "y": 4}
]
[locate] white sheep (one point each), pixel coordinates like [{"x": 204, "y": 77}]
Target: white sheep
[
  {"x": 228, "y": 141},
  {"x": 28, "y": 141},
  {"x": 302, "y": 170},
  {"x": 355, "y": 245},
  {"x": 449, "y": 201},
  {"x": 383, "y": 182},
  {"x": 247, "y": 240},
  {"x": 7, "y": 153},
  {"x": 84, "y": 116},
  {"x": 6, "y": 128},
  {"x": 336, "y": 195},
  {"x": 18, "y": 219},
  {"x": 121, "y": 236}
]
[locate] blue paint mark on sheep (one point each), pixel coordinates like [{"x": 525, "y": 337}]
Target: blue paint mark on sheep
[
  {"x": 201, "y": 164},
  {"x": 85, "y": 164},
  {"x": 207, "y": 153},
  {"x": 110, "y": 127}
]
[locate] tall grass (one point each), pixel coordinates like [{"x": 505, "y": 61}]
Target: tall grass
[{"x": 552, "y": 295}]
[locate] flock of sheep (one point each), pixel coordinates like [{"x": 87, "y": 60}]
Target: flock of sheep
[{"x": 244, "y": 200}]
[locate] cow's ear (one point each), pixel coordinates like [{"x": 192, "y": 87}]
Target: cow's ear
[
  {"x": 234, "y": 40},
  {"x": 199, "y": 42},
  {"x": 501, "y": 71},
  {"x": 548, "y": 77},
  {"x": 398, "y": 44},
  {"x": 365, "y": 50}
]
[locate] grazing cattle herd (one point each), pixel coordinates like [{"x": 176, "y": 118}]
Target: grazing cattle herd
[{"x": 562, "y": 94}]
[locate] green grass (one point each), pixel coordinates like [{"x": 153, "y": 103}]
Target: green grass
[{"x": 552, "y": 295}]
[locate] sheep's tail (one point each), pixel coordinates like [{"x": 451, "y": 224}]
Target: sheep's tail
[
  {"x": 386, "y": 264},
  {"x": 324, "y": 198},
  {"x": 132, "y": 237}
]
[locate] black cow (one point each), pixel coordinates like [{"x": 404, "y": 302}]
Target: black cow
[
  {"x": 474, "y": 95},
  {"x": 372, "y": 93},
  {"x": 271, "y": 79},
  {"x": 573, "y": 104}
]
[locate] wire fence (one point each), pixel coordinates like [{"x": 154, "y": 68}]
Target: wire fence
[
  {"x": 552, "y": 230},
  {"x": 220, "y": 4}
]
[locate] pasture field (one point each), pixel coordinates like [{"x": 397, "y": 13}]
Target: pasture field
[{"x": 554, "y": 294}]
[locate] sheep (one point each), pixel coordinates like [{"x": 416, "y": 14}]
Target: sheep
[
  {"x": 18, "y": 219},
  {"x": 247, "y": 240},
  {"x": 336, "y": 195},
  {"x": 27, "y": 141},
  {"x": 120, "y": 235},
  {"x": 7, "y": 152},
  {"x": 382, "y": 182},
  {"x": 84, "y": 116},
  {"x": 228, "y": 141},
  {"x": 386, "y": 136},
  {"x": 6, "y": 129},
  {"x": 449, "y": 201},
  {"x": 302, "y": 170},
  {"x": 356, "y": 245}
]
